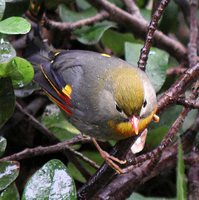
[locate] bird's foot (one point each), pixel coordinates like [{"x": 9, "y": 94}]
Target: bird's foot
[{"x": 110, "y": 160}]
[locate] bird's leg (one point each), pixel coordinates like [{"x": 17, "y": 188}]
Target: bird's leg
[{"x": 109, "y": 159}]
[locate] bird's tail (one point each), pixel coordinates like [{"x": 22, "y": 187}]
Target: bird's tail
[{"x": 40, "y": 54}]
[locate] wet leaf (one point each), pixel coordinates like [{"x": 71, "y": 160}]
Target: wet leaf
[
  {"x": 19, "y": 70},
  {"x": 157, "y": 63},
  {"x": 10, "y": 193},
  {"x": 3, "y": 144},
  {"x": 26, "y": 90},
  {"x": 7, "y": 100},
  {"x": 7, "y": 52},
  {"x": 14, "y": 25},
  {"x": 92, "y": 34},
  {"x": 9, "y": 170},
  {"x": 52, "y": 181}
]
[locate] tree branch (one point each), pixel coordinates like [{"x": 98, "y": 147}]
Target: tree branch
[
  {"x": 69, "y": 26},
  {"x": 192, "y": 46},
  {"x": 39, "y": 151},
  {"x": 139, "y": 28},
  {"x": 151, "y": 30}
]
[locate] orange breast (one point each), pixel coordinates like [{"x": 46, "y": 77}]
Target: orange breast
[{"x": 125, "y": 129}]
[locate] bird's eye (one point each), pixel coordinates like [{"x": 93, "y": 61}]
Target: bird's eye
[
  {"x": 118, "y": 108},
  {"x": 144, "y": 104}
]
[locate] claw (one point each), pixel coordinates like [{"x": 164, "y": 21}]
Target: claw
[
  {"x": 110, "y": 160},
  {"x": 156, "y": 118}
]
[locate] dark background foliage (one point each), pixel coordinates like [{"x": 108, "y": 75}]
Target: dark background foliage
[{"x": 43, "y": 156}]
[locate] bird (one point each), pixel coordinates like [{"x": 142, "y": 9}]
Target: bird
[{"x": 101, "y": 95}]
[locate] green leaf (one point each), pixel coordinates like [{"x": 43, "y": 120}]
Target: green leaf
[
  {"x": 190, "y": 119},
  {"x": 2, "y": 8},
  {"x": 68, "y": 15},
  {"x": 90, "y": 35},
  {"x": 9, "y": 170},
  {"x": 170, "y": 23},
  {"x": 158, "y": 130},
  {"x": 7, "y": 100},
  {"x": 7, "y": 52},
  {"x": 109, "y": 38},
  {"x": 14, "y": 25},
  {"x": 19, "y": 70},
  {"x": 157, "y": 63},
  {"x": 82, "y": 4},
  {"x": 3, "y": 144},
  {"x": 155, "y": 136},
  {"x": 146, "y": 14},
  {"x": 93, "y": 155},
  {"x": 136, "y": 196},
  {"x": 52, "y": 181},
  {"x": 181, "y": 179},
  {"x": 168, "y": 117},
  {"x": 10, "y": 193},
  {"x": 75, "y": 173},
  {"x": 141, "y": 3},
  {"x": 55, "y": 121}
]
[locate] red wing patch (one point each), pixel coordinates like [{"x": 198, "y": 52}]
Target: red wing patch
[{"x": 63, "y": 97}]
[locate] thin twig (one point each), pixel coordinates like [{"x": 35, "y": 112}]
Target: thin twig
[
  {"x": 193, "y": 59},
  {"x": 40, "y": 150},
  {"x": 132, "y": 8},
  {"x": 69, "y": 26},
  {"x": 176, "y": 70},
  {"x": 35, "y": 123},
  {"x": 151, "y": 30},
  {"x": 188, "y": 103},
  {"x": 178, "y": 87},
  {"x": 84, "y": 158},
  {"x": 184, "y": 6},
  {"x": 193, "y": 37}
]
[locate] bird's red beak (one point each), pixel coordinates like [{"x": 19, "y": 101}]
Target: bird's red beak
[{"x": 135, "y": 122}]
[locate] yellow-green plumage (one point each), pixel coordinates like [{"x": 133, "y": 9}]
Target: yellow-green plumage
[
  {"x": 132, "y": 96},
  {"x": 100, "y": 84}
]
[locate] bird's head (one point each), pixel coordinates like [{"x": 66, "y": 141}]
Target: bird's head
[{"x": 132, "y": 98}]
